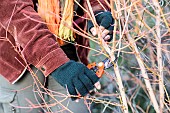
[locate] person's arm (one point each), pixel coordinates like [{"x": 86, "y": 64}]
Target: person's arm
[
  {"x": 38, "y": 43},
  {"x": 103, "y": 18},
  {"x": 40, "y": 49}
]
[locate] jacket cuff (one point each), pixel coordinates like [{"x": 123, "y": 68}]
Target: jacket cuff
[{"x": 52, "y": 61}]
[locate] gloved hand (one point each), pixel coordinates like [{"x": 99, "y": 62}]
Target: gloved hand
[
  {"x": 105, "y": 21},
  {"x": 75, "y": 76}
]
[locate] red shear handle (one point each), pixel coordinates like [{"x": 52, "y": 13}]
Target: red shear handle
[{"x": 100, "y": 68}]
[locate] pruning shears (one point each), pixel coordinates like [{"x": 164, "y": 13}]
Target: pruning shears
[{"x": 99, "y": 68}]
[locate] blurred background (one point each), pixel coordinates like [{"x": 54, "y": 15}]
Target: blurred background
[{"x": 142, "y": 37}]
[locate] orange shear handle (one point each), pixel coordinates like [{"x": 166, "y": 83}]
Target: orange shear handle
[{"x": 100, "y": 68}]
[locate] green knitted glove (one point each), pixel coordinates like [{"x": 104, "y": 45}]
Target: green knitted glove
[
  {"x": 105, "y": 19},
  {"x": 75, "y": 76}
]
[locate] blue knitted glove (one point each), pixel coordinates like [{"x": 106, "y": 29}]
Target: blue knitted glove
[
  {"x": 105, "y": 19},
  {"x": 75, "y": 76}
]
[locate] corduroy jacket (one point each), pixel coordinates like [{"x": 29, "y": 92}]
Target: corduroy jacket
[{"x": 25, "y": 40}]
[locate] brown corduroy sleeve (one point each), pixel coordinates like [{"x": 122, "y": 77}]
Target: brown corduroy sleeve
[
  {"x": 97, "y": 5},
  {"x": 38, "y": 44}
]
